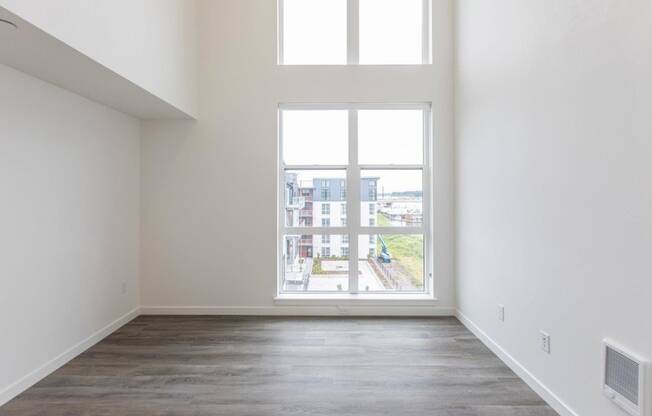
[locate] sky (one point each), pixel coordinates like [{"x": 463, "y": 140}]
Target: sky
[{"x": 320, "y": 137}]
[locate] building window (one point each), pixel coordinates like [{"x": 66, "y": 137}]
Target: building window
[
  {"x": 385, "y": 148},
  {"x": 373, "y": 196},
  {"x": 325, "y": 194},
  {"x": 341, "y": 32}
]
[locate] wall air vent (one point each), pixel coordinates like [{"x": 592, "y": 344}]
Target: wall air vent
[{"x": 624, "y": 379}]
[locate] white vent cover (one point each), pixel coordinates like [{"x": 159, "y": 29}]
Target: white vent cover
[{"x": 624, "y": 379}]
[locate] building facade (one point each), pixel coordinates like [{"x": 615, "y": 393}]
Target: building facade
[{"x": 321, "y": 202}]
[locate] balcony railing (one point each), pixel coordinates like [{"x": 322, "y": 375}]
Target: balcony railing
[{"x": 297, "y": 202}]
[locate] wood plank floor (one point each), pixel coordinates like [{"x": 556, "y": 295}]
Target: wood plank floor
[{"x": 174, "y": 365}]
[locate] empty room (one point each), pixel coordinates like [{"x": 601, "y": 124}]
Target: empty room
[{"x": 326, "y": 207}]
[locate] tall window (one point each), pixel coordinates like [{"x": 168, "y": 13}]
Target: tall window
[
  {"x": 377, "y": 152},
  {"x": 366, "y": 32}
]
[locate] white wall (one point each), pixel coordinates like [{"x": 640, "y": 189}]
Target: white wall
[
  {"x": 152, "y": 43},
  {"x": 69, "y": 186},
  {"x": 554, "y": 105},
  {"x": 209, "y": 187}
]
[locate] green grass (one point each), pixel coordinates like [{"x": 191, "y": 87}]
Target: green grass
[
  {"x": 405, "y": 249},
  {"x": 382, "y": 221}
]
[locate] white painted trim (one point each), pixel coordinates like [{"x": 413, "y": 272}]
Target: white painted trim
[
  {"x": 305, "y": 310},
  {"x": 49, "y": 367},
  {"x": 377, "y": 105},
  {"x": 280, "y": 28},
  {"x": 353, "y": 200},
  {"x": 391, "y": 300},
  {"x": 535, "y": 384},
  {"x": 353, "y": 32},
  {"x": 426, "y": 33}
]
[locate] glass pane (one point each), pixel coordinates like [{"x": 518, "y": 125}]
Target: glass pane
[
  {"x": 315, "y": 137},
  {"x": 315, "y": 198},
  {"x": 315, "y": 263},
  {"x": 391, "y": 198},
  {"x": 391, "y": 32},
  {"x": 314, "y": 32},
  {"x": 391, "y": 263},
  {"x": 390, "y": 137}
]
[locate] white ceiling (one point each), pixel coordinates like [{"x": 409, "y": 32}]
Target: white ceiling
[{"x": 31, "y": 50}]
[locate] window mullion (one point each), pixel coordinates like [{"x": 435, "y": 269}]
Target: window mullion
[
  {"x": 281, "y": 28},
  {"x": 426, "y": 33},
  {"x": 353, "y": 32},
  {"x": 280, "y": 249},
  {"x": 391, "y": 167},
  {"x": 353, "y": 201},
  {"x": 428, "y": 202}
]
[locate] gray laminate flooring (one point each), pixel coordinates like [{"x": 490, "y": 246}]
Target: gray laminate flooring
[{"x": 176, "y": 365}]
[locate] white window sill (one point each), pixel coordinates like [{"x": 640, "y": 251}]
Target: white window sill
[{"x": 355, "y": 299}]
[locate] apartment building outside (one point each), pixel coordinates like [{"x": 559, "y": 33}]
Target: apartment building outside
[{"x": 321, "y": 202}]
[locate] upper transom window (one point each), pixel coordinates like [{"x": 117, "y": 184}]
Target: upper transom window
[{"x": 366, "y": 32}]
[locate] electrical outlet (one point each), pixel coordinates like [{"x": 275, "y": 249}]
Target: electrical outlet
[
  {"x": 123, "y": 287},
  {"x": 545, "y": 342},
  {"x": 501, "y": 313}
]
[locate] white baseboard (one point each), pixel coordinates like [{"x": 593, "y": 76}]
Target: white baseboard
[
  {"x": 49, "y": 367},
  {"x": 317, "y": 310},
  {"x": 535, "y": 384}
]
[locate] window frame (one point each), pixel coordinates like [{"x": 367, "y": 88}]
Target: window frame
[
  {"x": 354, "y": 203},
  {"x": 353, "y": 36}
]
